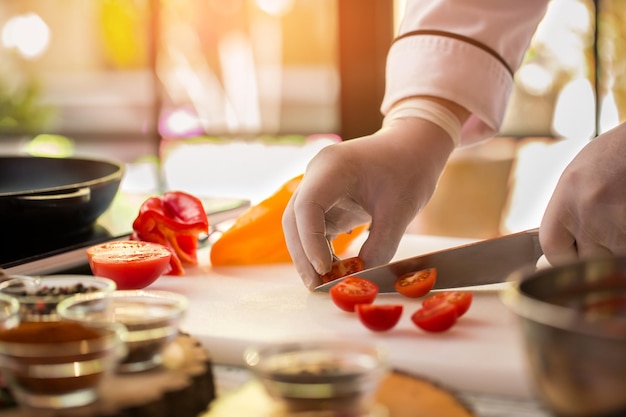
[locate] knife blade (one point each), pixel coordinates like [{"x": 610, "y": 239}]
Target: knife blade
[{"x": 488, "y": 261}]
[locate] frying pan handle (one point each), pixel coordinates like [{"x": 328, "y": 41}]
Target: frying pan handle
[{"x": 73, "y": 196}]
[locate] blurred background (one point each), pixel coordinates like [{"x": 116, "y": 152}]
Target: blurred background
[{"x": 233, "y": 97}]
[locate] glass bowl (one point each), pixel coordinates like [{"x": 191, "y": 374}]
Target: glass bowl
[
  {"x": 151, "y": 319},
  {"x": 38, "y": 296},
  {"x": 319, "y": 378},
  {"x": 58, "y": 364}
]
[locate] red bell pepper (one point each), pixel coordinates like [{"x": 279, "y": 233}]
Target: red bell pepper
[{"x": 175, "y": 220}]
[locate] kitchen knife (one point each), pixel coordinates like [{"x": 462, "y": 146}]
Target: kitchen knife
[{"x": 489, "y": 261}]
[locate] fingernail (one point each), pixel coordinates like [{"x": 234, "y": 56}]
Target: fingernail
[{"x": 319, "y": 268}]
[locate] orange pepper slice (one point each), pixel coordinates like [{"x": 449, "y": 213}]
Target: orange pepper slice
[{"x": 257, "y": 236}]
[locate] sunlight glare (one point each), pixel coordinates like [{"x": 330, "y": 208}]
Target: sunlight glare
[
  {"x": 609, "y": 115},
  {"x": 574, "y": 111},
  {"x": 27, "y": 33},
  {"x": 57, "y": 146},
  {"x": 535, "y": 79},
  {"x": 538, "y": 166},
  {"x": 275, "y": 7},
  {"x": 240, "y": 82},
  {"x": 180, "y": 123},
  {"x": 563, "y": 32}
]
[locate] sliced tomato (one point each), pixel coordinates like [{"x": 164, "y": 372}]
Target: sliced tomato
[
  {"x": 437, "y": 318},
  {"x": 379, "y": 317},
  {"x": 416, "y": 284},
  {"x": 131, "y": 264},
  {"x": 343, "y": 267},
  {"x": 460, "y": 299},
  {"x": 352, "y": 291}
]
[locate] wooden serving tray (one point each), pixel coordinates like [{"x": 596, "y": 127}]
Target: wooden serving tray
[{"x": 405, "y": 395}]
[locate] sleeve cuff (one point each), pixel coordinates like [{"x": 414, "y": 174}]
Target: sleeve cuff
[{"x": 453, "y": 70}]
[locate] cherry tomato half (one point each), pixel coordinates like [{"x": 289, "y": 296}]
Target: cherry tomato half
[
  {"x": 379, "y": 317},
  {"x": 460, "y": 299},
  {"x": 352, "y": 291},
  {"x": 343, "y": 267},
  {"x": 132, "y": 264},
  {"x": 416, "y": 284},
  {"x": 437, "y": 318}
]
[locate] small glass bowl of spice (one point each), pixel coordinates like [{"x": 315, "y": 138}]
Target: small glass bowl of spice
[
  {"x": 319, "y": 378},
  {"x": 58, "y": 364},
  {"x": 38, "y": 296},
  {"x": 151, "y": 318}
]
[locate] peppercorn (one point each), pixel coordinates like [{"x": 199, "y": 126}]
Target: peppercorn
[{"x": 47, "y": 297}]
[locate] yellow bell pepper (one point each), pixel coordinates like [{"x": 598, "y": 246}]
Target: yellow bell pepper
[{"x": 257, "y": 236}]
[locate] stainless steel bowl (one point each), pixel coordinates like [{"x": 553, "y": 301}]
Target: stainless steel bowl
[{"x": 573, "y": 322}]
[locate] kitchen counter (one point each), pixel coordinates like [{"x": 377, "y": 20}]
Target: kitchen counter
[{"x": 232, "y": 308}]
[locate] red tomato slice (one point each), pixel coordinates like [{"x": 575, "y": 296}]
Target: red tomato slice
[
  {"x": 379, "y": 317},
  {"x": 416, "y": 284},
  {"x": 437, "y": 318},
  {"x": 131, "y": 264},
  {"x": 343, "y": 267},
  {"x": 352, "y": 291},
  {"x": 460, "y": 299}
]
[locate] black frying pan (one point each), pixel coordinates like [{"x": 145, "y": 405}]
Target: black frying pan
[{"x": 59, "y": 195}]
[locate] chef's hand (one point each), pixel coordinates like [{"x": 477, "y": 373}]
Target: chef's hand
[
  {"x": 384, "y": 178},
  {"x": 586, "y": 215}
]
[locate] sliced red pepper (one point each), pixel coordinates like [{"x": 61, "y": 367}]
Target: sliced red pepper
[{"x": 175, "y": 220}]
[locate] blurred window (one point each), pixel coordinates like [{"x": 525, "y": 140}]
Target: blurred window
[{"x": 139, "y": 69}]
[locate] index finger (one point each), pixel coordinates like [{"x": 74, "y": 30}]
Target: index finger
[
  {"x": 293, "y": 238},
  {"x": 558, "y": 243},
  {"x": 310, "y": 206}
]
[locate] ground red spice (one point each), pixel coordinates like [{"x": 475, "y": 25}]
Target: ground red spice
[
  {"x": 53, "y": 332},
  {"x": 48, "y": 332}
]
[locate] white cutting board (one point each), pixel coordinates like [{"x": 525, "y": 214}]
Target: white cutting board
[{"x": 234, "y": 307}]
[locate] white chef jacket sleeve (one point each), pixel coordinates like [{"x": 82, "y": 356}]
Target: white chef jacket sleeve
[{"x": 465, "y": 51}]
